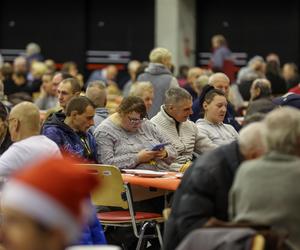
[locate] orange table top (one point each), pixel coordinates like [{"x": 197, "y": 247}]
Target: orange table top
[{"x": 167, "y": 182}]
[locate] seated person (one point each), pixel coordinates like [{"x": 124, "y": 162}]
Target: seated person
[
  {"x": 145, "y": 91},
  {"x": 203, "y": 192},
  {"x": 172, "y": 121},
  {"x": 70, "y": 131},
  {"x": 215, "y": 106},
  {"x": 267, "y": 190},
  {"x": 47, "y": 98},
  {"x": 29, "y": 146},
  {"x": 96, "y": 92},
  {"x": 261, "y": 100},
  {"x": 222, "y": 82},
  {"x": 5, "y": 140},
  {"x": 125, "y": 139},
  {"x": 37, "y": 213}
]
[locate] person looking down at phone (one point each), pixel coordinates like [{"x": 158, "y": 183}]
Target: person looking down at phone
[
  {"x": 172, "y": 121},
  {"x": 126, "y": 139}
]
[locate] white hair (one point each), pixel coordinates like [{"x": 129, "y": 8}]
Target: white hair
[
  {"x": 283, "y": 130},
  {"x": 138, "y": 88},
  {"x": 214, "y": 78},
  {"x": 251, "y": 138}
]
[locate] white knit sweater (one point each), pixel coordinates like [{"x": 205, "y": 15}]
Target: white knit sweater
[{"x": 186, "y": 141}]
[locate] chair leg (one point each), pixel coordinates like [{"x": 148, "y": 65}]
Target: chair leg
[
  {"x": 159, "y": 235},
  {"x": 141, "y": 236}
]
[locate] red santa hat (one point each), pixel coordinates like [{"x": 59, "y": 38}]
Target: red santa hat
[{"x": 53, "y": 192}]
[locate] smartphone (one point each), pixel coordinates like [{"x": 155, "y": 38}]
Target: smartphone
[{"x": 158, "y": 147}]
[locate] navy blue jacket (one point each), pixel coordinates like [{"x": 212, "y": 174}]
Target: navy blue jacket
[{"x": 65, "y": 137}]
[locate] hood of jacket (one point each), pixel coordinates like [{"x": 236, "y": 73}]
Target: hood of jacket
[
  {"x": 157, "y": 69},
  {"x": 57, "y": 120}
]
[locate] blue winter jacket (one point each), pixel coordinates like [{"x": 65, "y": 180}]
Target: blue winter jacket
[{"x": 65, "y": 137}]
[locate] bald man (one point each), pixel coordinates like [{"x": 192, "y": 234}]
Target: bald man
[
  {"x": 222, "y": 82},
  {"x": 29, "y": 146}
]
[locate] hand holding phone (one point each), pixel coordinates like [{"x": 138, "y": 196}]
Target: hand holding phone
[{"x": 158, "y": 147}]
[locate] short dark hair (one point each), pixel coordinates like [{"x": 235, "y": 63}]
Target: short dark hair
[
  {"x": 212, "y": 93},
  {"x": 78, "y": 104},
  {"x": 75, "y": 85},
  {"x": 132, "y": 104}
]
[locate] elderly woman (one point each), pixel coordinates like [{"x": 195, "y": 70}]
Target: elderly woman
[
  {"x": 145, "y": 91},
  {"x": 125, "y": 139},
  {"x": 215, "y": 107}
]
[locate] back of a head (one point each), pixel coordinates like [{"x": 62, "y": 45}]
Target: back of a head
[
  {"x": 28, "y": 114},
  {"x": 176, "y": 95},
  {"x": 283, "y": 131},
  {"x": 159, "y": 55},
  {"x": 53, "y": 193},
  {"x": 251, "y": 139},
  {"x": 32, "y": 48},
  {"x": 264, "y": 85},
  {"x": 78, "y": 104},
  {"x": 96, "y": 92},
  {"x": 139, "y": 88}
]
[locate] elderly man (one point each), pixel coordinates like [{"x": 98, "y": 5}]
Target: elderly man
[
  {"x": 172, "y": 121},
  {"x": 96, "y": 92},
  {"x": 29, "y": 146},
  {"x": 204, "y": 189},
  {"x": 267, "y": 190},
  {"x": 218, "y": 81},
  {"x": 159, "y": 74},
  {"x": 261, "y": 101},
  {"x": 69, "y": 130}
]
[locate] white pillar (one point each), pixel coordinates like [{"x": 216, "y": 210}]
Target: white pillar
[{"x": 175, "y": 29}]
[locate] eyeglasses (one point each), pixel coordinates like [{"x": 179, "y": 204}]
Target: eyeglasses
[{"x": 135, "y": 121}]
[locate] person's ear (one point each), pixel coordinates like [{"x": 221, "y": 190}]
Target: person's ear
[
  {"x": 74, "y": 113},
  {"x": 205, "y": 105}
]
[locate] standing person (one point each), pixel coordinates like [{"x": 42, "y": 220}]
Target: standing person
[
  {"x": 221, "y": 52},
  {"x": 159, "y": 74},
  {"x": 37, "y": 210}
]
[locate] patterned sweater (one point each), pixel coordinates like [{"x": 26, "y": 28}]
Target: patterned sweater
[
  {"x": 119, "y": 147},
  {"x": 186, "y": 140}
]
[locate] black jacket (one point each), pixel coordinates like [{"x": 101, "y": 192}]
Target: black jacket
[{"x": 203, "y": 193}]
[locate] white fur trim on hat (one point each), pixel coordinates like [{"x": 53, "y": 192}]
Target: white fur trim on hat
[{"x": 41, "y": 207}]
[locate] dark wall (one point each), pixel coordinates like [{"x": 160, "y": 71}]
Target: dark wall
[
  {"x": 65, "y": 30},
  {"x": 254, "y": 27}
]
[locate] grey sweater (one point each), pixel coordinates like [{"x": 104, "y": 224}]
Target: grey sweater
[
  {"x": 267, "y": 191},
  {"x": 119, "y": 147},
  {"x": 161, "y": 79},
  {"x": 186, "y": 141},
  {"x": 218, "y": 134}
]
